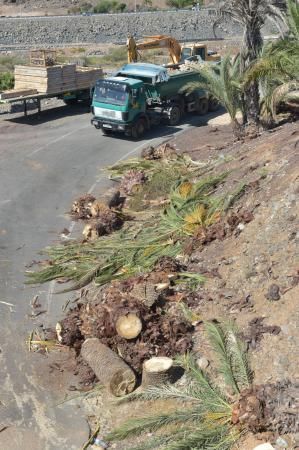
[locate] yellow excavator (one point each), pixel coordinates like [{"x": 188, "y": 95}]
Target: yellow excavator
[{"x": 178, "y": 54}]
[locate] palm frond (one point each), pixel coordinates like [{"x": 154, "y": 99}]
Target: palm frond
[
  {"x": 217, "y": 339},
  {"x": 281, "y": 92},
  {"x": 165, "y": 392},
  {"x": 238, "y": 357},
  {"x": 135, "y": 427},
  {"x": 293, "y": 18},
  {"x": 222, "y": 82},
  {"x": 233, "y": 361},
  {"x": 203, "y": 437}
]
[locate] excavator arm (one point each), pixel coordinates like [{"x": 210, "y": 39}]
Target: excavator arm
[{"x": 150, "y": 42}]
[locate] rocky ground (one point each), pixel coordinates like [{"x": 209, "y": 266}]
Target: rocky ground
[
  {"x": 53, "y": 7},
  {"x": 251, "y": 266}
]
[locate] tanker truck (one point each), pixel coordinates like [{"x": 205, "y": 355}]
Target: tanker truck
[{"x": 142, "y": 95}]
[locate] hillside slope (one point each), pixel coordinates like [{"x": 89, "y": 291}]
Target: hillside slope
[{"x": 57, "y": 7}]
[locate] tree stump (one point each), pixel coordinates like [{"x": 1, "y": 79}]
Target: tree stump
[
  {"x": 110, "y": 369},
  {"x": 128, "y": 326},
  {"x": 157, "y": 371}
]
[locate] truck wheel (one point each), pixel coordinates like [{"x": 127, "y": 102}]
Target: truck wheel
[
  {"x": 106, "y": 132},
  {"x": 203, "y": 106},
  {"x": 138, "y": 129},
  {"x": 174, "y": 115},
  {"x": 213, "y": 104}
]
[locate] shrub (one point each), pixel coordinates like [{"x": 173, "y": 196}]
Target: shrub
[
  {"x": 6, "y": 81},
  {"x": 180, "y": 3}
]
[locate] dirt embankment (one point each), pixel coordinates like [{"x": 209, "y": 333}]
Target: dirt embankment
[{"x": 257, "y": 266}]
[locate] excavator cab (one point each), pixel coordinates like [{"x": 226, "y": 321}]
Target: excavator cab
[
  {"x": 197, "y": 52},
  {"x": 192, "y": 52}
]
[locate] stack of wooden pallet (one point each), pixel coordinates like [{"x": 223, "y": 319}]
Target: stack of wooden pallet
[
  {"x": 68, "y": 77},
  {"x": 87, "y": 76},
  {"x": 46, "y": 80},
  {"x": 55, "y": 79}
]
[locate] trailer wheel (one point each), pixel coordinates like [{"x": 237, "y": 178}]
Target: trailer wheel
[
  {"x": 174, "y": 115},
  {"x": 71, "y": 101},
  {"x": 203, "y": 106},
  {"x": 138, "y": 129},
  {"x": 213, "y": 104}
]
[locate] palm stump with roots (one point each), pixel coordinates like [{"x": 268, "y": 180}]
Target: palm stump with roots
[{"x": 209, "y": 416}]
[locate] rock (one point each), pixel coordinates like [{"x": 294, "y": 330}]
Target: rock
[
  {"x": 266, "y": 446},
  {"x": 112, "y": 28},
  {"x": 202, "y": 363},
  {"x": 241, "y": 227},
  {"x": 281, "y": 443},
  {"x": 273, "y": 292}
]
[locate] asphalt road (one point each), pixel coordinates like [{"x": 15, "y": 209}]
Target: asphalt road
[{"x": 44, "y": 164}]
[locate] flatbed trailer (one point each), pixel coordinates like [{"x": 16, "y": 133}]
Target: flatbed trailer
[{"x": 70, "y": 97}]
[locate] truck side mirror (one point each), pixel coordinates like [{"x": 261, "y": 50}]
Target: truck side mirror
[{"x": 134, "y": 94}]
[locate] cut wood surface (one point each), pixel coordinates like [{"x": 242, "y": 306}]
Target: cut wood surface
[
  {"x": 128, "y": 326},
  {"x": 157, "y": 371},
  {"x": 110, "y": 369},
  {"x": 12, "y": 93},
  {"x": 56, "y": 79}
]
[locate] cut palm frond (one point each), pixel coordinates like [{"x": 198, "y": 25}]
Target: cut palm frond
[
  {"x": 126, "y": 252},
  {"x": 233, "y": 363},
  {"x": 203, "y": 418}
]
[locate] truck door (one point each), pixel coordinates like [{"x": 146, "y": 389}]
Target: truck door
[
  {"x": 138, "y": 99},
  {"x": 200, "y": 51}
]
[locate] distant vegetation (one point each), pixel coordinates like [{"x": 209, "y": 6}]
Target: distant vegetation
[
  {"x": 117, "y": 6},
  {"x": 8, "y": 62},
  {"x": 103, "y": 7},
  {"x": 181, "y": 3},
  {"x": 109, "y": 6},
  {"x": 6, "y": 81}
]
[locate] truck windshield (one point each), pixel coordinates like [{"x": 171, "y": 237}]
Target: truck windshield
[{"x": 111, "y": 92}]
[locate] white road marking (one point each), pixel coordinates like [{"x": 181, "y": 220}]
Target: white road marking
[
  {"x": 49, "y": 296},
  {"x": 3, "y": 202},
  {"x": 60, "y": 138}
]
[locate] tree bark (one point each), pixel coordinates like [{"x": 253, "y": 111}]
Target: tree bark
[
  {"x": 251, "y": 47},
  {"x": 110, "y": 369}
]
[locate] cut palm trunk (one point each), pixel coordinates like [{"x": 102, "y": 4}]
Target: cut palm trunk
[
  {"x": 128, "y": 326},
  {"x": 109, "y": 368},
  {"x": 157, "y": 371}
]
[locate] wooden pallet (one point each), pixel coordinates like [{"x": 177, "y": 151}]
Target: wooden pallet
[
  {"x": 48, "y": 80},
  {"x": 14, "y": 93}
]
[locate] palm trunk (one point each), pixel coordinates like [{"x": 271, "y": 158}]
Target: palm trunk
[
  {"x": 252, "y": 44},
  {"x": 238, "y": 129}
]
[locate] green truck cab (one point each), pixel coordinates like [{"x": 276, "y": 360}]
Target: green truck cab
[{"x": 142, "y": 95}]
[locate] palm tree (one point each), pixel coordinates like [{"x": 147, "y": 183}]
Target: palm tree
[
  {"x": 278, "y": 68},
  {"x": 251, "y": 15},
  {"x": 210, "y": 417},
  {"x": 222, "y": 81}
]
